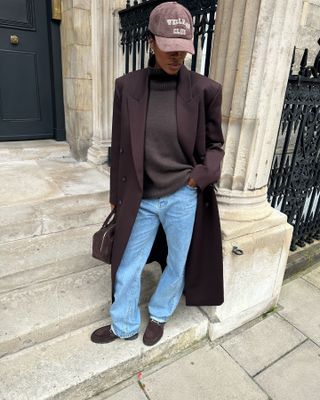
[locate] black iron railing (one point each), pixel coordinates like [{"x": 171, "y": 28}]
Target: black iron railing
[
  {"x": 134, "y": 22},
  {"x": 294, "y": 183}
]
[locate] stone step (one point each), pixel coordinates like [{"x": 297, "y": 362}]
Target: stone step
[
  {"x": 72, "y": 367},
  {"x": 31, "y": 182},
  {"x": 28, "y": 261},
  {"x": 47, "y": 310},
  {"x": 44, "y": 196},
  {"x": 33, "y": 150},
  {"x": 54, "y": 215}
]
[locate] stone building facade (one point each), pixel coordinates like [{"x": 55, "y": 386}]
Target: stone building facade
[
  {"x": 309, "y": 29},
  {"x": 53, "y": 292},
  {"x": 91, "y": 46},
  {"x": 91, "y": 60},
  {"x": 251, "y": 58}
]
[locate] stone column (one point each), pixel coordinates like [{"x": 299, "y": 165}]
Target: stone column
[
  {"x": 251, "y": 58},
  {"x": 76, "y": 69},
  {"x": 106, "y": 66}
]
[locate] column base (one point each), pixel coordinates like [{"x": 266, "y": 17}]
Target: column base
[
  {"x": 253, "y": 280},
  {"x": 98, "y": 154},
  {"x": 243, "y": 205}
]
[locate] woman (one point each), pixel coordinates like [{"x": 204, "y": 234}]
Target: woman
[{"x": 166, "y": 154}]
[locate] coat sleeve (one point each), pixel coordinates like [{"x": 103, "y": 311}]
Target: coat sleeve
[
  {"x": 209, "y": 171},
  {"x": 115, "y": 145}
]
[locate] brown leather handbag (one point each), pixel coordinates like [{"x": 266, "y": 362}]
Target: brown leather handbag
[{"x": 102, "y": 241}]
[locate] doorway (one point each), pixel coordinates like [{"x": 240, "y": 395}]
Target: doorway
[{"x": 31, "y": 100}]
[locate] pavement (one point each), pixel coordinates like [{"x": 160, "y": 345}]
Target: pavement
[{"x": 275, "y": 357}]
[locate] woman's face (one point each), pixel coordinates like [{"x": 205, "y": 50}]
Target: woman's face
[{"x": 169, "y": 61}]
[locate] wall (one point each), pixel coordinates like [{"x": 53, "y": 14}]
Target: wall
[
  {"x": 76, "y": 41},
  {"x": 309, "y": 31}
]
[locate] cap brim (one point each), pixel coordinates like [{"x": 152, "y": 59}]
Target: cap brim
[{"x": 174, "y": 44}]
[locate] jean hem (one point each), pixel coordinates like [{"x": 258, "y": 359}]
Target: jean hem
[
  {"x": 162, "y": 320},
  {"x": 122, "y": 336}
]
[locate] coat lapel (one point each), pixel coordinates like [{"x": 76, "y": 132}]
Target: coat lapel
[
  {"x": 187, "y": 112},
  {"x": 187, "y": 116},
  {"x": 137, "y": 107}
]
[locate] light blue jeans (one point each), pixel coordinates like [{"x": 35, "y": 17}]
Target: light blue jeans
[{"x": 176, "y": 213}]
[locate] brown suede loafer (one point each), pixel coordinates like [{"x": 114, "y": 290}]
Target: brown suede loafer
[
  {"x": 106, "y": 335},
  {"x": 153, "y": 332}
]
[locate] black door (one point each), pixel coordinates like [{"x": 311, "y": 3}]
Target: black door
[{"x": 26, "y": 95}]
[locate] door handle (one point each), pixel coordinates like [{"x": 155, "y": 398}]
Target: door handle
[{"x": 14, "y": 39}]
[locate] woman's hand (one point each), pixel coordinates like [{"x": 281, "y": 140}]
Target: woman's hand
[
  {"x": 192, "y": 182},
  {"x": 112, "y": 206}
]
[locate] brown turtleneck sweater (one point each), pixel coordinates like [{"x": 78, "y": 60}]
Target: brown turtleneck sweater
[{"x": 166, "y": 168}]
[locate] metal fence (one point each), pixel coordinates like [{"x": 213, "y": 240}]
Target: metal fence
[
  {"x": 294, "y": 183},
  {"x": 134, "y": 23}
]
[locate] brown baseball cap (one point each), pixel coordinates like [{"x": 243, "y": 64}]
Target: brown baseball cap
[{"x": 171, "y": 23}]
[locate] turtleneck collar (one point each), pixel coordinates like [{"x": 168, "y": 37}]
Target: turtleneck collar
[{"x": 158, "y": 74}]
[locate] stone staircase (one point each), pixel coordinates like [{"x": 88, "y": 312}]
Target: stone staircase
[{"x": 53, "y": 294}]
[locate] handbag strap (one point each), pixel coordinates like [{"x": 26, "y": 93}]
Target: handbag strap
[{"x": 112, "y": 214}]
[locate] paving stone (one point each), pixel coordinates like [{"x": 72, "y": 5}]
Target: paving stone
[
  {"x": 296, "y": 376},
  {"x": 132, "y": 392},
  {"x": 301, "y": 307},
  {"x": 202, "y": 375},
  {"x": 260, "y": 345},
  {"x": 72, "y": 367},
  {"x": 313, "y": 277}
]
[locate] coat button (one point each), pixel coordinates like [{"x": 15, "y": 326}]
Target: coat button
[
  {"x": 120, "y": 202},
  {"x": 124, "y": 178},
  {"x": 121, "y": 150}
]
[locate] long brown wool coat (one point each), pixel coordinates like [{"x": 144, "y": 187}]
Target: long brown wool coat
[{"x": 198, "y": 108}]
